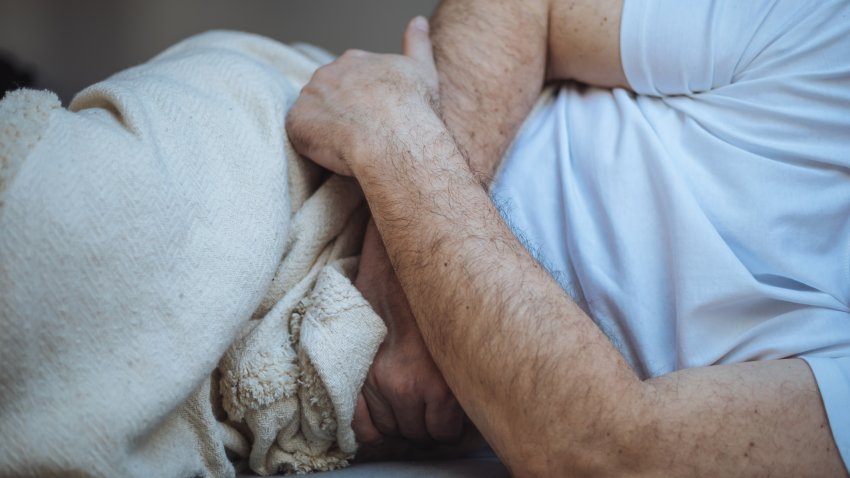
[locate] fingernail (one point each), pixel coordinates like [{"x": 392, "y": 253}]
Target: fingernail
[{"x": 421, "y": 23}]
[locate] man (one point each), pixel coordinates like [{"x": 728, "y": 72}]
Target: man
[{"x": 689, "y": 188}]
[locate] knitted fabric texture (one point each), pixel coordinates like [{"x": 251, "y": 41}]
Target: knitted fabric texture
[{"x": 175, "y": 282}]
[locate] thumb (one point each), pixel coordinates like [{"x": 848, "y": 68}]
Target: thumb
[{"x": 417, "y": 42}]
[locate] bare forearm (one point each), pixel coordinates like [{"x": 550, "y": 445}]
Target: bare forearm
[
  {"x": 536, "y": 375},
  {"x": 491, "y": 57},
  {"x": 492, "y": 69},
  {"x": 503, "y": 333}
]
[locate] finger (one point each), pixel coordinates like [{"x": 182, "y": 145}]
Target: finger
[
  {"x": 373, "y": 262},
  {"x": 417, "y": 42},
  {"x": 299, "y": 124},
  {"x": 306, "y": 138},
  {"x": 444, "y": 420},
  {"x": 362, "y": 425},
  {"x": 411, "y": 423},
  {"x": 381, "y": 412}
]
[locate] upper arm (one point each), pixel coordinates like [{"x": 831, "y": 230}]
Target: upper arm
[
  {"x": 490, "y": 55},
  {"x": 494, "y": 56},
  {"x": 584, "y": 42}
]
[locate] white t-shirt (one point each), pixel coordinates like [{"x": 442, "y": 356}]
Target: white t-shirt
[{"x": 705, "y": 220}]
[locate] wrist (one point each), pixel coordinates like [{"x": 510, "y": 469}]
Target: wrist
[{"x": 403, "y": 130}]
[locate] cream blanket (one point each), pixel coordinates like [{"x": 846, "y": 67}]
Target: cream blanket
[{"x": 140, "y": 232}]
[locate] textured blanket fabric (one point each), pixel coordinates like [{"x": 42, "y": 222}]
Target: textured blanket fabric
[{"x": 174, "y": 295}]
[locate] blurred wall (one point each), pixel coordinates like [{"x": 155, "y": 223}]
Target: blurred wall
[{"x": 72, "y": 43}]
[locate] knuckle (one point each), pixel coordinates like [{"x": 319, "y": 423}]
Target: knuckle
[
  {"x": 353, "y": 53},
  {"x": 311, "y": 88},
  {"x": 294, "y": 111},
  {"x": 293, "y": 127},
  {"x": 404, "y": 390},
  {"x": 321, "y": 74}
]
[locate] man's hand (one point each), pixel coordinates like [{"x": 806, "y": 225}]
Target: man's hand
[
  {"x": 405, "y": 393},
  {"x": 356, "y": 101}
]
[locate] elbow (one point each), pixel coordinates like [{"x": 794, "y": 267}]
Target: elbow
[
  {"x": 604, "y": 448},
  {"x": 620, "y": 432},
  {"x": 605, "y": 463},
  {"x": 582, "y": 468},
  {"x": 599, "y": 465},
  {"x": 581, "y": 460}
]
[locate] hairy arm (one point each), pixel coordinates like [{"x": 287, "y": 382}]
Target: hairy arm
[
  {"x": 492, "y": 67},
  {"x": 491, "y": 73},
  {"x": 492, "y": 62},
  {"x": 492, "y": 59},
  {"x": 535, "y": 374},
  {"x": 494, "y": 56}
]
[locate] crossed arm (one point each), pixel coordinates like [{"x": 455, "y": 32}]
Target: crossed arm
[{"x": 535, "y": 374}]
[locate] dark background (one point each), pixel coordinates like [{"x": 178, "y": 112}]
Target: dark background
[{"x": 66, "y": 45}]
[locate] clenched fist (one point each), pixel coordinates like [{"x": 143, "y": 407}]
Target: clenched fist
[
  {"x": 405, "y": 394},
  {"x": 362, "y": 100}
]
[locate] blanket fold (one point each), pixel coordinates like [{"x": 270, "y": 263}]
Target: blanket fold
[{"x": 176, "y": 291}]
